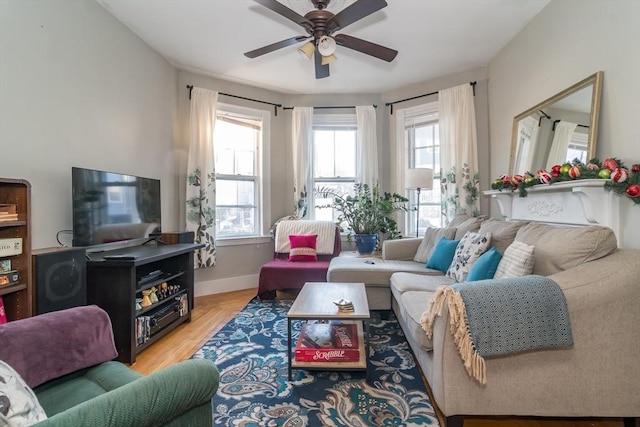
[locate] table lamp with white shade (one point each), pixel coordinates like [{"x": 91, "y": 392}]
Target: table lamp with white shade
[{"x": 419, "y": 178}]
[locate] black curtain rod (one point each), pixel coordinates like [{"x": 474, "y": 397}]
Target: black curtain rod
[
  {"x": 555, "y": 122},
  {"x": 329, "y": 107},
  {"x": 275, "y": 106},
  {"x": 390, "y": 104},
  {"x": 544, "y": 115}
]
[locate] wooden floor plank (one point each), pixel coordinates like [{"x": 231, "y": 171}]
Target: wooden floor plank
[{"x": 212, "y": 312}]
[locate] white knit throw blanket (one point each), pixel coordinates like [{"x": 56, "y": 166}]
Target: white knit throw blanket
[{"x": 326, "y": 231}]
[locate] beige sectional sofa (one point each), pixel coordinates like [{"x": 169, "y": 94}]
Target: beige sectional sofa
[
  {"x": 397, "y": 256},
  {"x": 599, "y": 376}
]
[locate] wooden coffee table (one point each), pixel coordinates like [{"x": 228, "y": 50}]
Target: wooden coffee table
[{"x": 315, "y": 302}]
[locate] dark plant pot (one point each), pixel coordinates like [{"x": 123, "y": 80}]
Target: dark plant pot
[{"x": 366, "y": 243}]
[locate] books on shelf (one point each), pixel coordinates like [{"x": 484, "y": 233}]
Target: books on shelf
[
  {"x": 8, "y": 212},
  {"x": 10, "y": 247},
  {"x": 3, "y": 314},
  {"x": 9, "y": 277},
  {"x": 143, "y": 329},
  {"x": 333, "y": 341},
  {"x": 5, "y": 265}
]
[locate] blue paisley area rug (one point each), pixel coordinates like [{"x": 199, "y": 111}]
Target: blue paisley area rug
[{"x": 251, "y": 354}]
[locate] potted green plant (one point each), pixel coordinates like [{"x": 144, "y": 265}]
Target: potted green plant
[{"x": 366, "y": 214}]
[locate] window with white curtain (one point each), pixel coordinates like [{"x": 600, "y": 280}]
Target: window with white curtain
[
  {"x": 240, "y": 140},
  {"x": 334, "y": 164},
  {"x": 422, "y": 142}
]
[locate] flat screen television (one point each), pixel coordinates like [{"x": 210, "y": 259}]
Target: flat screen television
[{"x": 113, "y": 209}]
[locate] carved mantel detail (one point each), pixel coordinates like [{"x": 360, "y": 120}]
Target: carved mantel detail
[
  {"x": 544, "y": 208},
  {"x": 581, "y": 202}
]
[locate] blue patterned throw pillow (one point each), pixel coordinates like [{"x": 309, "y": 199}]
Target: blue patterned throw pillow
[
  {"x": 471, "y": 246},
  {"x": 485, "y": 267},
  {"x": 442, "y": 255}
]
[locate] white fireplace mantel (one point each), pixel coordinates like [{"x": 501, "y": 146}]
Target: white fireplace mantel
[{"x": 580, "y": 202}]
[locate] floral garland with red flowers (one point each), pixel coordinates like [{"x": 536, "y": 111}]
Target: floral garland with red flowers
[{"x": 621, "y": 180}]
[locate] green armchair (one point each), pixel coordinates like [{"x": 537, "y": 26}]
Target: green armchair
[{"x": 66, "y": 358}]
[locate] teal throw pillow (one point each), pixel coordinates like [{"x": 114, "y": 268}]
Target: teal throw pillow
[
  {"x": 442, "y": 255},
  {"x": 485, "y": 267}
]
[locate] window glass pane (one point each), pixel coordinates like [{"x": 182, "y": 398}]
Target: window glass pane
[
  {"x": 226, "y": 192},
  {"x": 230, "y": 192},
  {"x": 246, "y": 193},
  {"x": 235, "y": 221},
  {"x": 245, "y": 165},
  {"x": 345, "y": 153},
  {"x": 323, "y": 153},
  {"x": 423, "y": 157},
  {"x": 424, "y": 136},
  {"x": 224, "y": 161},
  {"x": 322, "y": 209}
]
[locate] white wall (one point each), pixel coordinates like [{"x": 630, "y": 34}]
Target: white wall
[
  {"x": 77, "y": 88},
  {"x": 566, "y": 42}
]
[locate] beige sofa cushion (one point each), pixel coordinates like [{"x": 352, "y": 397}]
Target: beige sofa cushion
[
  {"x": 404, "y": 282},
  {"x": 412, "y": 305},
  {"x": 457, "y": 220},
  {"x": 471, "y": 224},
  {"x": 503, "y": 233},
  {"x": 372, "y": 271},
  {"x": 559, "y": 248},
  {"x": 431, "y": 237}
]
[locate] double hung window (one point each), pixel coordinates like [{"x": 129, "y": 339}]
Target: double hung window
[
  {"x": 334, "y": 165},
  {"x": 240, "y": 141},
  {"x": 422, "y": 142}
]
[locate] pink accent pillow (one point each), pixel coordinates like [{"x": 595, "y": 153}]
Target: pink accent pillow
[{"x": 303, "y": 247}]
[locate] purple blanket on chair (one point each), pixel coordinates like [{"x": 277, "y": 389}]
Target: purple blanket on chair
[
  {"x": 51, "y": 345},
  {"x": 279, "y": 274}
]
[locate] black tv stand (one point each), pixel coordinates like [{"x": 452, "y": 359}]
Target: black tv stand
[{"x": 116, "y": 278}]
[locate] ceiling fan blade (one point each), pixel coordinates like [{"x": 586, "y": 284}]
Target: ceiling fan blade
[
  {"x": 322, "y": 71},
  {"x": 281, "y": 9},
  {"x": 275, "y": 46},
  {"x": 353, "y": 13},
  {"x": 366, "y": 47}
]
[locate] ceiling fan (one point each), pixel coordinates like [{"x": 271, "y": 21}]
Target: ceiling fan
[{"x": 320, "y": 24}]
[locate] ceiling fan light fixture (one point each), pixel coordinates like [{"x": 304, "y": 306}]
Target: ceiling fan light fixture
[
  {"x": 306, "y": 50},
  {"x": 326, "y": 60},
  {"x": 326, "y": 45}
]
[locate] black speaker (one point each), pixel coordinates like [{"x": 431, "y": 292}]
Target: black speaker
[{"x": 60, "y": 278}]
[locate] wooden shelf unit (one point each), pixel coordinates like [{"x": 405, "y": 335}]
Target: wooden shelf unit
[
  {"x": 18, "y": 298},
  {"x": 114, "y": 285}
]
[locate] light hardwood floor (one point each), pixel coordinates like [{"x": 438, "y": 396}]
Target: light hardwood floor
[{"x": 212, "y": 312}]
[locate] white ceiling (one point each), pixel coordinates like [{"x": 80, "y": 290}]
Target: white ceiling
[{"x": 433, "y": 38}]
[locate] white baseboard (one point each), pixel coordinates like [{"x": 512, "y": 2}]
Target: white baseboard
[{"x": 218, "y": 286}]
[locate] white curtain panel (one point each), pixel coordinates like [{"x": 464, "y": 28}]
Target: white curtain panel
[
  {"x": 367, "y": 145},
  {"x": 458, "y": 153},
  {"x": 201, "y": 181},
  {"x": 561, "y": 138},
  {"x": 302, "y": 128}
]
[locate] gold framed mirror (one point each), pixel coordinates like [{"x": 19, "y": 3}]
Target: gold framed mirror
[{"x": 559, "y": 129}]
